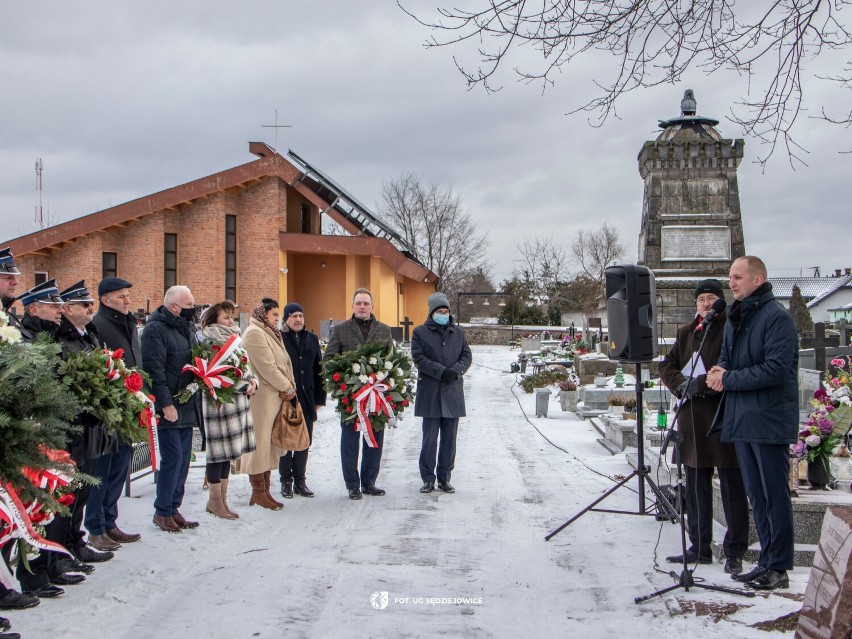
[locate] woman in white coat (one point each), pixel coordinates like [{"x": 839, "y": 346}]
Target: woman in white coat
[{"x": 271, "y": 365}]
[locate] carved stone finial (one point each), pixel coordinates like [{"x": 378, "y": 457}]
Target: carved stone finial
[{"x": 688, "y": 106}]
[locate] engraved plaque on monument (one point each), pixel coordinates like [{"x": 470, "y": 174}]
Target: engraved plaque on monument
[{"x": 695, "y": 243}]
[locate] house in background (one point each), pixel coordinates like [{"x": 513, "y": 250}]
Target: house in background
[
  {"x": 821, "y": 294},
  {"x": 245, "y": 233}
]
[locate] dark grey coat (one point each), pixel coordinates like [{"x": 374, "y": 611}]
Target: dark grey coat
[
  {"x": 434, "y": 349},
  {"x": 347, "y": 336}
]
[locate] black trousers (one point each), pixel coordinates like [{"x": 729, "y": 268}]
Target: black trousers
[
  {"x": 294, "y": 463},
  {"x": 766, "y": 473},
  {"x": 699, "y": 508},
  {"x": 445, "y": 452},
  {"x": 74, "y": 534},
  {"x": 371, "y": 458}
]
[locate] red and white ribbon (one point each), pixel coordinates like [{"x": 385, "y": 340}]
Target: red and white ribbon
[
  {"x": 148, "y": 420},
  {"x": 112, "y": 373},
  {"x": 212, "y": 373},
  {"x": 370, "y": 400}
]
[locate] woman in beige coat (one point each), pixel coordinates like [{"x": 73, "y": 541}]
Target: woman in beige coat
[{"x": 271, "y": 364}]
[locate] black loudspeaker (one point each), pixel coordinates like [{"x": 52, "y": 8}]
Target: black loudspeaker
[{"x": 631, "y": 310}]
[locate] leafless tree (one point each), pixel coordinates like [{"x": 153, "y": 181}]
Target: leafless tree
[
  {"x": 440, "y": 230},
  {"x": 654, "y": 42},
  {"x": 594, "y": 250},
  {"x": 543, "y": 266}
]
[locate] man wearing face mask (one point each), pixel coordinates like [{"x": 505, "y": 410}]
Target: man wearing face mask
[
  {"x": 442, "y": 355},
  {"x": 166, "y": 349}
]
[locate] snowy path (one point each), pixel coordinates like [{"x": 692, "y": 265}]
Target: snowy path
[{"x": 310, "y": 569}]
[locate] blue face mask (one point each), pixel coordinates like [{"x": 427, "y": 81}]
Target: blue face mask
[{"x": 441, "y": 320}]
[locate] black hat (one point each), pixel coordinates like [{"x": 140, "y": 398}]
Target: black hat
[
  {"x": 46, "y": 292},
  {"x": 709, "y": 286},
  {"x": 77, "y": 293},
  {"x": 7, "y": 262},
  {"x": 292, "y": 307},
  {"x": 110, "y": 284}
]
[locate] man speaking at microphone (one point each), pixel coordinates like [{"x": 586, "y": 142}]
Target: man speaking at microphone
[{"x": 684, "y": 371}]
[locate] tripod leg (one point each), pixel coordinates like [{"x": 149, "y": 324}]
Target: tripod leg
[{"x": 655, "y": 594}]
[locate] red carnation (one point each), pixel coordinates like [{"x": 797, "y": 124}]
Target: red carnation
[
  {"x": 405, "y": 402},
  {"x": 67, "y": 499},
  {"x": 133, "y": 382},
  {"x": 118, "y": 353},
  {"x": 344, "y": 400},
  {"x": 343, "y": 387},
  {"x": 336, "y": 377},
  {"x": 215, "y": 348},
  {"x": 238, "y": 373},
  {"x": 243, "y": 360},
  {"x": 348, "y": 409}
]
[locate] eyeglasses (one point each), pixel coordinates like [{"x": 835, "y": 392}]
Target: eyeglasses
[{"x": 86, "y": 304}]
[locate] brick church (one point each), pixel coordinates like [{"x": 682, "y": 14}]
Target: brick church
[{"x": 248, "y": 232}]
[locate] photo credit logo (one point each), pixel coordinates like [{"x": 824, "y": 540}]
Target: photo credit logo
[{"x": 379, "y": 600}]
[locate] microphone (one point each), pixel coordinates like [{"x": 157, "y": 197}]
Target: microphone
[{"x": 718, "y": 307}]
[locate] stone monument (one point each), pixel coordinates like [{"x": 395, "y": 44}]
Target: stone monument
[{"x": 691, "y": 222}]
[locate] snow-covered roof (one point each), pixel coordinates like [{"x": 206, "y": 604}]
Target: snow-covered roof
[{"x": 811, "y": 287}]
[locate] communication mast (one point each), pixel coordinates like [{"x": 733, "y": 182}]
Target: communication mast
[{"x": 39, "y": 212}]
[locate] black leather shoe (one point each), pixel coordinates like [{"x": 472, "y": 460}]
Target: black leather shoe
[
  {"x": 287, "y": 490},
  {"x": 770, "y": 580},
  {"x": 67, "y": 579},
  {"x": 9, "y": 635},
  {"x": 372, "y": 490},
  {"x": 754, "y": 573},
  {"x": 301, "y": 488},
  {"x": 89, "y": 555},
  {"x": 69, "y": 564},
  {"x": 691, "y": 558},
  {"x": 428, "y": 487},
  {"x": 733, "y": 565},
  {"x": 445, "y": 486},
  {"x": 14, "y": 600},
  {"x": 47, "y": 591},
  {"x": 5, "y": 624},
  {"x": 355, "y": 493}
]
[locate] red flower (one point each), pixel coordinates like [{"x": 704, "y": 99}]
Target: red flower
[
  {"x": 238, "y": 373},
  {"x": 67, "y": 499},
  {"x": 133, "y": 382},
  {"x": 336, "y": 377},
  {"x": 215, "y": 348},
  {"x": 344, "y": 400},
  {"x": 144, "y": 417},
  {"x": 348, "y": 409},
  {"x": 243, "y": 360},
  {"x": 343, "y": 387},
  {"x": 405, "y": 402},
  {"x": 118, "y": 353}
]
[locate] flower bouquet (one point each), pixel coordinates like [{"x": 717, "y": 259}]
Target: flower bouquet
[
  {"x": 218, "y": 369},
  {"x": 372, "y": 386}
]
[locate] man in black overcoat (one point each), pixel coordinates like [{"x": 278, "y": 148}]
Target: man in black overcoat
[
  {"x": 702, "y": 453},
  {"x": 442, "y": 356},
  {"x": 304, "y": 350}
]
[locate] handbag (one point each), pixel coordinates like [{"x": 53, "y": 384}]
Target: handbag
[{"x": 289, "y": 431}]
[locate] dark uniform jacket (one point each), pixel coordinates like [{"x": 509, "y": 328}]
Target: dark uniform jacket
[
  {"x": 696, "y": 416},
  {"x": 305, "y": 356},
  {"x": 15, "y": 321},
  {"x": 434, "y": 349},
  {"x": 31, "y": 326},
  {"x": 347, "y": 336},
  {"x": 166, "y": 348},
  {"x": 118, "y": 330},
  {"x": 760, "y": 355}
]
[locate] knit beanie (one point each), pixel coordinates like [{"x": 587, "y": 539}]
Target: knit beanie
[
  {"x": 709, "y": 286},
  {"x": 291, "y": 308},
  {"x": 436, "y": 301}
]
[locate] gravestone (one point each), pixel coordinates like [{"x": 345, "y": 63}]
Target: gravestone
[
  {"x": 827, "y": 607},
  {"x": 819, "y": 342},
  {"x": 691, "y": 221}
]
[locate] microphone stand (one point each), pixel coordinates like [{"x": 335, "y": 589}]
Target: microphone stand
[{"x": 685, "y": 580}]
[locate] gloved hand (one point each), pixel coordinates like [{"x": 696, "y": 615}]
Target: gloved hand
[
  {"x": 449, "y": 375},
  {"x": 688, "y": 389}
]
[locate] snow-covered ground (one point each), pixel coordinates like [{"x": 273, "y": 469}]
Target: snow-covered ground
[{"x": 471, "y": 564}]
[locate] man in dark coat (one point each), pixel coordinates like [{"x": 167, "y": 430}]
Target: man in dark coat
[
  {"x": 700, "y": 452},
  {"x": 758, "y": 370},
  {"x": 117, "y": 328},
  {"x": 166, "y": 349},
  {"x": 360, "y": 329},
  {"x": 442, "y": 356},
  {"x": 305, "y": 355}
]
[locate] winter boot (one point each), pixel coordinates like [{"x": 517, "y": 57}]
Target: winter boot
[
  {"x": 287, "y": 489},
  {"x": 259, "y": 493},
  {"x": 215, "y": 504},
  {"x": 267, "y": 478},
  {"x": 301, "y": 488},
  {"x": 224, "y": 484}
]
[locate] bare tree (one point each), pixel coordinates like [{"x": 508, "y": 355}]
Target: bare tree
[
  {"x": 542, "y": 268},
  {"x": 654, "y": 42},
  {"x": 441, "y": 232},
  {"x": 597, "y": 249}
]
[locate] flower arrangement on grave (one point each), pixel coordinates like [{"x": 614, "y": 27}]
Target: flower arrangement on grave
[
  {"x": 372, "y": 386},
  {"x": 217, "y": 368},
  {"x": 110, "y": 391},
  {"x": 576, "y": 344}
]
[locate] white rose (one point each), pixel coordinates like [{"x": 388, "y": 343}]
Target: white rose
[
  {"x": 356, "y": 368},
  {"x": 400, "y": 372},
  {"x": 813, "y": 440},
  {"x": 363, "y": 379},
  {"x": 373, "y": 361},
  {"x": 9, "y": 334},
  {"x": 388, "y": 365}
]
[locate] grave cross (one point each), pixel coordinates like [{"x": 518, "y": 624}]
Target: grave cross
[
  {"x": 842, "y": 329},
  {"x": 405, "y": 324},
  {"x": 818, "y": 342}
]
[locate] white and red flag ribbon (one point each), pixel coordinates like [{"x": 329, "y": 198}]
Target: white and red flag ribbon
[
  {"x": 212, "y": 373},
  {"x": 370, "y": 399}
]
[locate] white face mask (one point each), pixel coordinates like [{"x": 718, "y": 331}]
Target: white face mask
[{"x": 280, "y": 323}]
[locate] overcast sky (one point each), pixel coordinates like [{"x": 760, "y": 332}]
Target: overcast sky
[{"x": 121, "y": 100}]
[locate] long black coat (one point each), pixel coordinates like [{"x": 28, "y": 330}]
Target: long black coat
[
  {"x": 434, "y": 349},
  {"x": 306, "y": 358},
  {"x": 696, "y": 416},
  {"x": 118, "y": 330},
  {"x": 166, "y": 348},
  {"x": 760, "y": 354}
]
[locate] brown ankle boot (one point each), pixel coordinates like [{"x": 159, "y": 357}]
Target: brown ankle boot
[
  {"x": 267, "y": 479},
  {"x": 259, "y": 493},
  {"x": 224, "y": 484},
  {"x": 215, "y": 504}
]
